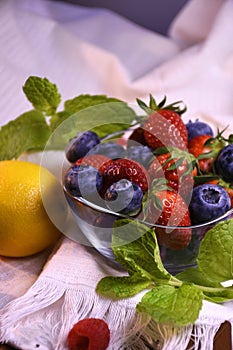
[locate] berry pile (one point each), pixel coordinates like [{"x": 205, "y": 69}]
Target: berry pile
[{"x": 169, "y": 173}]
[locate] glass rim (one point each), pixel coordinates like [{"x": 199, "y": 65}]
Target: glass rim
[{"x": 120, "y": 215}]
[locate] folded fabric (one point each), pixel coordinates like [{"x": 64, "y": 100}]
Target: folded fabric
[{"x": 116, "y": 57}]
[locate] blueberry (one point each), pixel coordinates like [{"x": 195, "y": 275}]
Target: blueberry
[
  {"x": 139, "y": 153},
  {"x": 111, "y": 150},
  {"x": 83, "y": 181},
  {"x": 208, "y": 202},
  {"x": 224, "y": 163},
  {"x": 198, "y": 128},
  {"x": 79, "y": 146},
  {"x": 124, "y": 197}
]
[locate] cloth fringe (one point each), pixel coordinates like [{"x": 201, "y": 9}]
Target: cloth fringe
[{"x": 42, "y": 318}]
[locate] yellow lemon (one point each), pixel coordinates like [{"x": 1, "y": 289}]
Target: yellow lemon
[{"x": 25, "y": 227}]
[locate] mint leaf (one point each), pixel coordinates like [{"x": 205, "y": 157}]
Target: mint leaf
[
  {"x": 101, "y": 114},
  {"x": 175, "y": 300},
  {"x": 58, "y": 118},
  {"x": 171, "y": 305},
  {"x": 214, "y": 263},
  {"x": 215, "y": 257},
  {"x": 194, "y": 275},
  {"x": 80, "y": 102},
  {"x": 219, "y": 296},
  {"x": 102, "y": 118},
  {"x": 121, "y": 287},
  {"x": 43, "y": 95},
  {"x": 135, "y": 247},
  {"x": 26, "y": 133},
  {"x": 106, "y": 129}
]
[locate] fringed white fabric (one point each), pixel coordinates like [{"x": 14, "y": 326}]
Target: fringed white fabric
[{"x": 65, "y": 293}]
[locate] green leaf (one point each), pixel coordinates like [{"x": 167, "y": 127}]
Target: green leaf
[
  {"x": 43, "y": 95},
  {"x": 135, "y": 247},
  {"x": 213, "y": 291},
  {"x": 170, "y": 305},
  {"x": 59, "y": 118},
  {"x": 201, "y": 179},
  {"x": 108, "y": 114},
  {"x": 26, "y": 133},
  {"x": 194, "y": 275},
  {"x": 80, "y": 102},
  {"x": 215, "y": 257},
  {"x": 103, "y": 118},
  {"x": 121, "y": 287},
  {"x": 226, "y": 294}
]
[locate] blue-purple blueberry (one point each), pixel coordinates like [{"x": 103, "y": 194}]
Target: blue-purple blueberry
[
  {"x": 139, "y": 153},
  {"x": 79, "y": 146},
  {"x": 83, "y": 181},
  {"x": 198, "y": 128},
  {"x": 224, "y": 163},
  {"x": 124, "y": 197},
  {"x": 111, "y": 150},
  {"x": 208, "y": 202}
]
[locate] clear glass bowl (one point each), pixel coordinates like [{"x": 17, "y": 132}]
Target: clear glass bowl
[{"x": 96, "y": 224}]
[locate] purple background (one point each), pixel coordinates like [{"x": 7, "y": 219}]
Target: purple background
[{"x": 155, "y": 15}]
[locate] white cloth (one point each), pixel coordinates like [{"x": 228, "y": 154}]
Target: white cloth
[
  {"x": 65, "y": 293},
  {"x": 86, "y": 50}
]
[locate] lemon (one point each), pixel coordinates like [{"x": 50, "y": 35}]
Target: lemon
[{"x": 25, "y": 227}]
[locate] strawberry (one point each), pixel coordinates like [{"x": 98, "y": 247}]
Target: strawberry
[
  {"x": 177, "y": 168},
  {"x": 173, "y": 212},
  {"x": 206, "y": 148},
  {"x": 197, "y": 146},
  {"x": 137, "y": 136},
  {"x": 115, "y": 170},
  {"x": 164, "y": 126},
  {"x": 229, "y": 190},
  {"x": 95, "y": 160},
  {"x": 89, "y": 334}
]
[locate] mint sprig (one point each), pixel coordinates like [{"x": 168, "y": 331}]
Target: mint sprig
[
  {"x": 170, "y": 305},
  {"x": 174, "y": 300},
  {"x": 33, "y": 129},
  {"x": 43, "y": 95},
  {"x": 28, "y": 132}
]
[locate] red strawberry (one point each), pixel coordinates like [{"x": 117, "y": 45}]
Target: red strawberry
[
  {"x": 197, "y": 147},
  {"x": 137, "y": 136},
  {"x": 177, "y": 171},
  {"x": 174, "y": 212},
  {"x": 89, "y": 334},
  {"x": 95, "y": 160},
  {"x": 115, "y": 170},
  {"x": 206, "y": 148},
  {"x": 164, "y": 126}
]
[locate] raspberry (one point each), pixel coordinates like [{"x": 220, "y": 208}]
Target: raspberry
[
  {"x": 95, "y": 160},
  {"x": 115, "y": 170},
  {"x": 89, "y": 334}
]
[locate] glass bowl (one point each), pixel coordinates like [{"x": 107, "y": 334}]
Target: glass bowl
[{"x": 96, "y": 223}]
